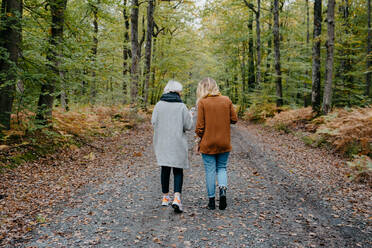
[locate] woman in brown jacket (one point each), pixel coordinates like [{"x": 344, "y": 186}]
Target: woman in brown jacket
[{"x": 215, "y": 114}]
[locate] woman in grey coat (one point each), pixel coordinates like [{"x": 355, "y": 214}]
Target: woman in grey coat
[{"x": 171, "y": 119}]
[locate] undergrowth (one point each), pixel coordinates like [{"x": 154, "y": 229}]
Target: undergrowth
[
  {"x": 27, "y": 140},
  {"x": 291, "y": 118},
  {"x": 260, "y": 112},
  {"x": 348, "y": 131},
  {"x": 361, "y": 169}
]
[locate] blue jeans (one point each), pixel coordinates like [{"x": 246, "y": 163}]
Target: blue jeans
[{"x": 215, "y": 164}]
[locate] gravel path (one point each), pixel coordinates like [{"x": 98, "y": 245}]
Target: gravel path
[{"x": 269, "y": 205}]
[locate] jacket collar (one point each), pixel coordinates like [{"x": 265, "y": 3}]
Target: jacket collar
[{"x": 171, "y": 97}]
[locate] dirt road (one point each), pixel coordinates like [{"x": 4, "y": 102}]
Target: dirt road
[{"x": 275, "y": 199}]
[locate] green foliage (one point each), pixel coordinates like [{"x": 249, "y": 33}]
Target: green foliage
[
  {"x": 314, "y": 140},
  {"x": 191, "y": 43},
  {"x": 225, "y": 26},
  {"x": 362, "y": 169},
  {"x": 282, "y": 127}
]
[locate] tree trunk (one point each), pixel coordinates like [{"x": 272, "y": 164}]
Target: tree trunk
[
  {"x": 140, "y": 94},
  {"x": 347, "y": 53},
  {"x": 306, "y": 96},
  {"x": 327, "y": 98},
  {"x": 126, "y": 53},
  {"x": 369, "y": 60},
  {"x": 243, "y": 68},
  {"x": 46, "y": 98},
  {"x": 135, "y": 51},
  {"x": 251, "y": 76},
  {"x": 258, "y": 46},
  {"x": 10, "y": 40},
  {"x": 278, "y": 79},
  {"x": 257, "y": 12},
  {"x": 150, "y": 31},
  {"x": 64, "y": 97},
  {"x": 315, "y": 94},
  {"x": 94, "y": 51},
  {"x": 269, "y": 47},
  {"x": 153, "y": 73}
]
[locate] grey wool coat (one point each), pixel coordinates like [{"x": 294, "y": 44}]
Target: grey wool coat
[{"x": 171, "y": 120}]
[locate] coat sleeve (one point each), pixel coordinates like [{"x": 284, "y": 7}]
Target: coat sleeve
[
  {"x": 154, "y": 116},
  {"x": 233, "y": 116},
  {"x": 187, "y": 119},
  {"x": 200, "y": 122}
]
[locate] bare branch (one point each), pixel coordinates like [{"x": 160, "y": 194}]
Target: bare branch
[{"x": 251, "y": 6}]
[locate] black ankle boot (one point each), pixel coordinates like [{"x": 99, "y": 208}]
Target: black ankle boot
[
  {"x": 211, "y": 204},
  {"x": 223, "y": 203}
]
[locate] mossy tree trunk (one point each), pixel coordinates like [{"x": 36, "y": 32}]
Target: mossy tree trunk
[
  {"x": 10, "y": 39},
  {"x": 46, "y": 98}
]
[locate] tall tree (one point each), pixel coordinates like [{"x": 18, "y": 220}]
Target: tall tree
[
  {"x": 150, "y": 31},
  {"x": 154, "y": 53},
  {"x": 126, "y": 51},
  {"x": 140, "y": 46},
  {"x": 278, "y": 76},
  {"x": 306, "y": 97},
  {"x": 94, "y": 6},
  {"x": 10, "y": 39},
  {"x": 327, "y": 97},
  {"x": 135, "y": 51},
  {"x": 243, "y": 66},
  {"x": 257, "y": 13},
  {"x": 251, "y": 76},
  {"x": 345, "y": 67},
  {"x": 369, "y": 50},
  {"x": 315, "y": 94},
  {"x": 269, "y": 46},
  {"x": 46, "y": 98}
]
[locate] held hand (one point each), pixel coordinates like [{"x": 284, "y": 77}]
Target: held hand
[
  {"x": 197, "y": 145},
  {"x": 192, "y": 112},
  {"x": 196, "y": 149}
]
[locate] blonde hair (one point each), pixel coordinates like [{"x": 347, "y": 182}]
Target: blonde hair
[{"x": 207, "y": 86}]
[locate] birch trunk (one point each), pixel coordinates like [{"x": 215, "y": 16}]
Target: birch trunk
[
  {"x": 135, "y": 51},
  {"x": 126, "y": 53},
  {"x": 327, "y": 97}
]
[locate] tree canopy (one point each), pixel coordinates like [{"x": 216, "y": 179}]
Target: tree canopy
[{"x": 66, "y": 52}]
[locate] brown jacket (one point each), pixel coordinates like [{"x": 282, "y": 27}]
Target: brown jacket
[{"x": 215, "y": 114}]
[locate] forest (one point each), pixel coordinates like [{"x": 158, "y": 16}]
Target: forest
[
  {"x": 292, "y": 53},
  {"x": 293, "y": 61},
  {"x": 78, "y": 83}
]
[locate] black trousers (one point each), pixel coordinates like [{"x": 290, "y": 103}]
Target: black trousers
[{"x": 178, "y": 179}]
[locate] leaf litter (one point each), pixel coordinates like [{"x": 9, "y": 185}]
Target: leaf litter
[{"x": 282, "y": 194}]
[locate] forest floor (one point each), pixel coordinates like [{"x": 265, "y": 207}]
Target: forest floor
[{"x": 281, "y": 193}]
